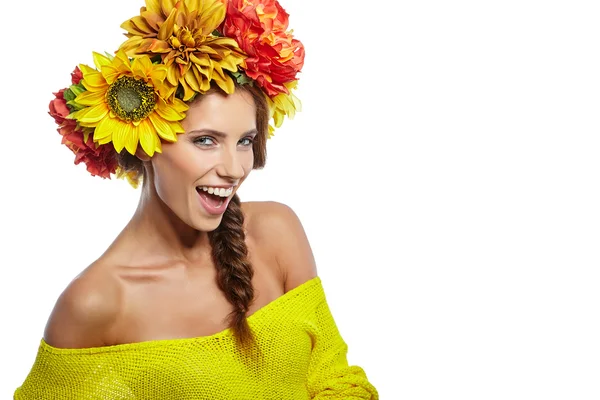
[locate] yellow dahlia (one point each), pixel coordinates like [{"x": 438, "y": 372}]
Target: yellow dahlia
[
  {"x": 283, "y": 105},
  {"x": 124, "y": 103},
  {"x": 181, "y": 32}
]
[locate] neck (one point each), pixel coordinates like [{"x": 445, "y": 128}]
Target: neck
[{"x": 156, "y": 232}]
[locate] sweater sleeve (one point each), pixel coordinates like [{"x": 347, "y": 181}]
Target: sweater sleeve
[
  {"x": 329, "y": 375},
  {"x": 72, "y": 377}
]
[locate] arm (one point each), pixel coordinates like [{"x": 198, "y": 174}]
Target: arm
[{"x": 329, "y": 375}]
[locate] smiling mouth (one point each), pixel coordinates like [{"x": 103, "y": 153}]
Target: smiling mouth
[{"x": 214, "y": 200}]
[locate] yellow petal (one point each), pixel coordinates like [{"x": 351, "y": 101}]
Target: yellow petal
[
  {"x": 139, "y": 69},
  {"x": 166, "y": 29},
  {"x": 90, "y": 98},
  {"x": 100, "y": 60},
  {"x": 200, "y": 59},
  {"x": 191, "y": 80},
  {"x": 86, "y": 69},
  {"x": 166, "y": 6},
  {"x": 91, "y": 115},
  {"x": 122, "y": 57},
  {"x": 167, "y": 112},
  {"x": 110, "y": 74},
  {"x": 158, "y": 74},
  {"x": 180, "y": 106},
  {"x": 131, "y": 44},
  {"x": 188, "y": 92},
  {"x": 212, "y": 16},
  {"x": 103, "y": 132},
  {"x": 94, "y": 80},
  {"x": 172, "y": 75},
  {"x": 148, "y": 138},
  {"x": 153, "y": 5},
  {"x": 137, "y": 26},
  {"x": 131, "y": 138},
  {"x": 163, "y": 128}
]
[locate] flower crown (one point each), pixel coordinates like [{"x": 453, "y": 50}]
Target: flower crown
[{"x": 175, "y": 50}]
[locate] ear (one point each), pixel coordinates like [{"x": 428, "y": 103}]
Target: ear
[{"x": 141, "y": 154}]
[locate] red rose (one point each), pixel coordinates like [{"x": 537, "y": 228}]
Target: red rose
[{"x": 58, "y": 107}]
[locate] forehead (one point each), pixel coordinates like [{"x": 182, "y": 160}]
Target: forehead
[{"x": 231, "y": 114}]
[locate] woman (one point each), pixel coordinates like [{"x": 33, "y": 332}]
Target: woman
[{"x": 200, "y": 296}]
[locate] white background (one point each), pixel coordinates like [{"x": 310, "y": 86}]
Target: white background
[{"x": 445, "y": 168}]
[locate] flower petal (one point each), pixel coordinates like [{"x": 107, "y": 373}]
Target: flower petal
[
  {"x": 91, "y": 115},
  {"x": 100, "y": 60},
  {"x": 148, "y": 139},
  {"x": 89, "y": 98},
  {"x": 163, "y": 128},
  {"x": 131, "y": 138},
  {"x": 103, "y": 132}
]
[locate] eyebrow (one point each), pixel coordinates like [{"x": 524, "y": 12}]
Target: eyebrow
[{"x": 220, "y": 134}]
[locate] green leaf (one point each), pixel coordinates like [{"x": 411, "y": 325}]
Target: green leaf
[
  {"x": 69, "y": 95},
  {"x": 78, "y": 89},
  {"x": 242, "y": 78},
  {"x": 73, "y": 106}
]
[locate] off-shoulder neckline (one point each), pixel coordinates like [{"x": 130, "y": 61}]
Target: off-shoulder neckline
[{"x": 163, "y": 342}]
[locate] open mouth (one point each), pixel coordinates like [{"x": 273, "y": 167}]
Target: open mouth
[{"x": 212, "y": 199}]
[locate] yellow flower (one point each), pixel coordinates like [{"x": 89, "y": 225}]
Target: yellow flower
[
  {"x": 130, "y": 176},
  {"x": 283, "y": 105},
  {"x": 123, "y": 103},
  {"x": 181, "y": 32}
]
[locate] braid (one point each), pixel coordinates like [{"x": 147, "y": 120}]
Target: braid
[{"x": 234, "y": 271}]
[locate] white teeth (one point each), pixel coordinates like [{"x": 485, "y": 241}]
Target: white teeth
[{"x": 217, "y": 191}]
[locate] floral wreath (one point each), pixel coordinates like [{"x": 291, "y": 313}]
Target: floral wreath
[{"x": 175, "y": 50}]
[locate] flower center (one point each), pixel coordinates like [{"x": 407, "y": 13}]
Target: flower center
[{"x": 131, "y": 99}]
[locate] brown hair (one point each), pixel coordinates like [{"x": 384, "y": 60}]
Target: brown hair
[{"x": 229, "y": 251}]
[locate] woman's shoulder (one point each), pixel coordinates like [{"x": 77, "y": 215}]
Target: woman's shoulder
[
  {"x": 85, "y": 310},
  {"x": 277, "y": 227}
]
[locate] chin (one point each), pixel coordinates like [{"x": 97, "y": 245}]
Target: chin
[{"x": 206, "y": 224}]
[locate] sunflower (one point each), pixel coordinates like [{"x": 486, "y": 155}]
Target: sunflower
[
  {"x": 124, "y": 103},
  {"x": 183, "y": 34}
]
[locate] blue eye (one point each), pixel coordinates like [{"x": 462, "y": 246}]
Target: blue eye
[
  {"x": 250, "y": 141},
  {"x": 202, "y": 141},
  {"x": 199, "y": 140}
]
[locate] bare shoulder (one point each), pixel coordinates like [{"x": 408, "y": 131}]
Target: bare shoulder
[
  {"x": 85, "y": 311},
  {"x": 278, "y": 227}
]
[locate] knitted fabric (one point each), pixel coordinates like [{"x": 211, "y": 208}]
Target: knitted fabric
[{"x": 299, "y": 355}]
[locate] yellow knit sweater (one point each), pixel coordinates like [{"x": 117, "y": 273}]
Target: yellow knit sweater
[{"x": 299, "y": 355}]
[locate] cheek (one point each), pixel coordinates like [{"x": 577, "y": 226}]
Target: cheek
[{"x": 173, "y": 177}]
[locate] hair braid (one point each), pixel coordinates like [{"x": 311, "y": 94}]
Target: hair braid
[{"x": 234, "y": 271}]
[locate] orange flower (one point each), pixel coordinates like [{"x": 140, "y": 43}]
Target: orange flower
[
  {"x": 181, "y": 33},
  {"x": 260, "y": 28}
]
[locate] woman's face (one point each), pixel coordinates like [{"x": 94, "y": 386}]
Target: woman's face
[{"x": 215, "y": 150}]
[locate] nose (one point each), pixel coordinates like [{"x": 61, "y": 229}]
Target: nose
[{"x": 230, "y": 165}]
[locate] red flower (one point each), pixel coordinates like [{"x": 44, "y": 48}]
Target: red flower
[
  {"x": 76, "y": 76},
  {"x": 100, "y": 161},
  {"x": 260, "y": 28},
  {"x": 58, "y": 107}
]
